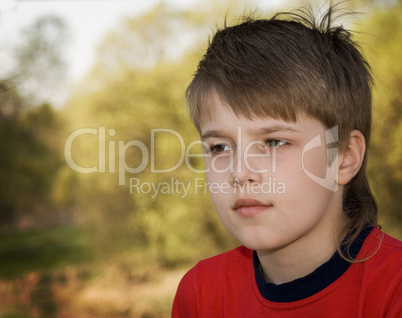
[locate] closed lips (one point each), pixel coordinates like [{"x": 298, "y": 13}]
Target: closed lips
[{"x": 249, "y": 203}]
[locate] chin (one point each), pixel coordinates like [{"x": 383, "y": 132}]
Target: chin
[
  {"x": 257, "y": 244},
  {"x": 261, "y": 241}
]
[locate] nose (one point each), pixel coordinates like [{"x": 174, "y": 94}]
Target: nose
[{"x": 247, "y": 167}]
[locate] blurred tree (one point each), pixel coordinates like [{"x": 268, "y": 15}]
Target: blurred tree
[
  {"x": 27, "y": 165},
  {"x": 138, "y": 84},
  {"x": 40, "y": 58},
  {"x": 383, "y": 43},
  {"x": 28, "y": 126},
  {"x": 10, "y": 100}
]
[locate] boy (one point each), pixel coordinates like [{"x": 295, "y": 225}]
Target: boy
[{"x": 284, "y": 101}]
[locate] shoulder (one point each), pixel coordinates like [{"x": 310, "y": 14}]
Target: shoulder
[
  {"x": 228, "y": 263},
  {"x": 236, "y": 258},
  {"x": 387, "y": 249},
  {"x": 388, "y": 266},
  {"x": 389, "y": 257},
  {"x": 392, "y": 243},
  {"x": 210, "y": 279},
  {"x": 383, "y": 270},
  {"x": 382, "y": 252}
]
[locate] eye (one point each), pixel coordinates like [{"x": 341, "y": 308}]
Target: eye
[
  {"x": 219, "y": 148},
  {"x": 276, "y": 143}
]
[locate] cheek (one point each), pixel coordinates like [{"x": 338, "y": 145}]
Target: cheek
[
  {"x": 302, "y": 191},
  {"x": 218, "y": 168},
  {"x": 290, "y": 172},
  {"x": 288, "y": 166},
  {"x": 218, "y": 186},
  {"x": 217, "y": 178},
  {"x": 315, "y": 161}
]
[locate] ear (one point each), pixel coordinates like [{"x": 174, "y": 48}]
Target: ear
[{"x": 351, "y": 159}]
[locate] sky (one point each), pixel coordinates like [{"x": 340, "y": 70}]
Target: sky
[{"x": 88, "y": 21}]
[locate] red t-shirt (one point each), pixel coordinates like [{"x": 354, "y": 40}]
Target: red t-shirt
[{"x": 228, "y": 285}]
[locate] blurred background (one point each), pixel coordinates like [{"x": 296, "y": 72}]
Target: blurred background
[{"x": 82, "y": 85}]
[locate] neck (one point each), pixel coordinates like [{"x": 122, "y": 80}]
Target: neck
[{"x": 299, "y": 258}]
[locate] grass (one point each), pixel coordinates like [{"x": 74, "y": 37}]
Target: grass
[
  {"x": 41, "y": 250},
  {"x": 52, "y": 273}
]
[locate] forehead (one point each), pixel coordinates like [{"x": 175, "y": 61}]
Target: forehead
[
  {"x": 222, "y": 120},
  {"x": 212, "y": 103}
]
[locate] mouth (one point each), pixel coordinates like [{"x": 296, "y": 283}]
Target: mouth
[{"x": 249, "y": 207}]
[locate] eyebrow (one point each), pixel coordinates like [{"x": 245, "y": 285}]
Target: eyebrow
[
  {"x": 257, "y": 131},
  {"x": 212, "y": 134},
  {"x": 274, "y": 129}
]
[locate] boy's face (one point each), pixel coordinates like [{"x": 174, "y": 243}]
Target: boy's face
[{"x": 259, "y": 185}]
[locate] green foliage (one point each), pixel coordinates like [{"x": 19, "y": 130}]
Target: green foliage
[
  {"x": 383, "y": 46},
  {"x": 39, "y": 250},
  {"x": 29, "y": 160},
  {"x": 39, "y": 58},
  {"x": 11, "y": 102},
  {"x": 27, "y": 163}
]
